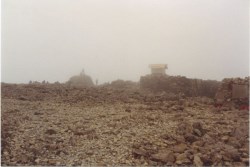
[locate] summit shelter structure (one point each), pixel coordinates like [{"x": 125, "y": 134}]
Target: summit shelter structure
[{"x": 158, "y": 69}]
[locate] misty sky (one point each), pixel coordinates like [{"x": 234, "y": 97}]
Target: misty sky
[{"x": 117, "y": 39}]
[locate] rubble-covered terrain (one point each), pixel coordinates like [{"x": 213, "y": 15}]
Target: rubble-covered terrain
[{"x": 55, "y": 124}]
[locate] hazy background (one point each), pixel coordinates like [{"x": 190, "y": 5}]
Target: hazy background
[{"x": 117, "y": 39}]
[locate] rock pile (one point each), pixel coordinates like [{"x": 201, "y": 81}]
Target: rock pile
[
  {"x": 196, "y": 145},
  {"x": 81, "y": 80}
]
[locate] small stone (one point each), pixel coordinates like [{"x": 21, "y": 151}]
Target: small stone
[
  {"x": 241, "y": 164},
  {"x": 182, "y": 102},
  {"x": 241, "y": 131},
  {"x": 50, "y": 131},
  {"x": 165, "y": 157},
  {"x": 180, "y": 148},
  {"x": 182, "y": 159},
  {"x": 37, "y": 160},
  {"x": 32, "y": 142},
  {"x": 152, "y": 163},
  {"x": 38, "y": 113},
  {"x": 245, "y": 160},
  {"x": 52, "y": 162},
  {"x": 228, "y": 163},
  {"x": 189, "y": 154},
  {"x": 89, "y": 152},
  {"x": 217, "y": 157},
  {"x": 197, "y": 161},
  {"x": 22, "y": 98},
  {"x": 190, "y": 138},
  {"x": 225, "y": 138},
  {"x": 245, "y": 155},
  {"x": 139, "y": 152},
  {"x": 181, "y": 108},
  {"x": 197, "y": 125},
  {"x": 244, "y": 150},
  {"x": 225, "y": 108},
  {"x": 230, "y": 153},
  {"x": 198, "y": 143},
  {"x": 127, "y": 110},
  {"x": 233, "y": 141},
  {"x": 180, "y": 139},
  {"x": 197, "y": 132},
  {"x": 5, "y": 153},
  {"x": 206, "y": 159}
]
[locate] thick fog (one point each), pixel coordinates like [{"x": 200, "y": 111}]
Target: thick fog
[{"x": 117, "y": 39}]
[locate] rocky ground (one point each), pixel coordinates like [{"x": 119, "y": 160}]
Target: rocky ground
[{"x": 57, "y": 125}]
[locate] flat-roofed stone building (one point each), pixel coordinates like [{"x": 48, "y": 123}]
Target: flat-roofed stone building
[{"x": 158, "y": 69}]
